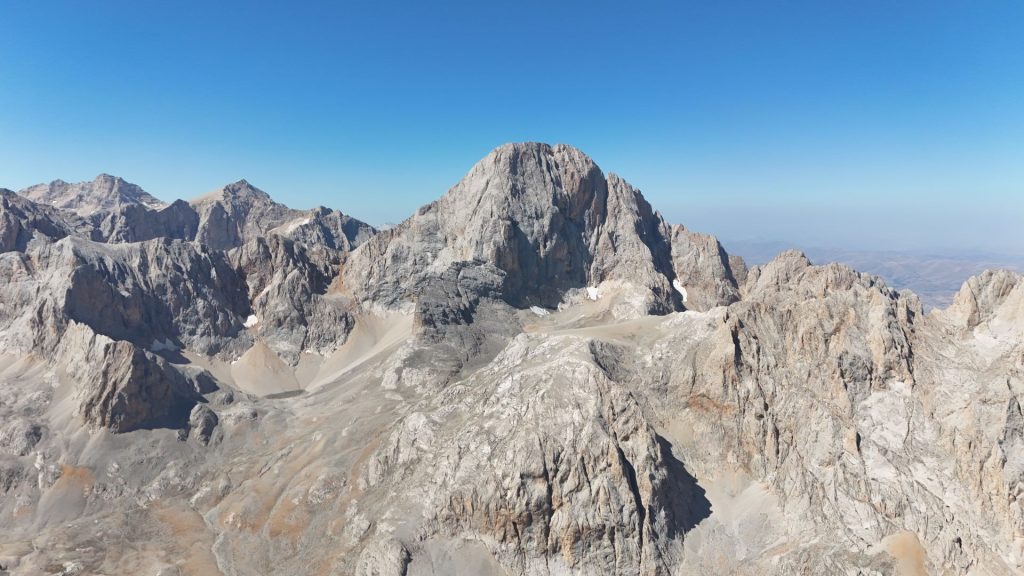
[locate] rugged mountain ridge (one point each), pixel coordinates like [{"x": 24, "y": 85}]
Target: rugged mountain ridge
[
  {"x": 22, "y": 220},
  {"x": 114, "y": 211},
  {"x": 534, "y": 374},
  {"x": 549, "y": 219},
  {"x": 104, "y": 193},
  {"x": 139, "y": 276}
]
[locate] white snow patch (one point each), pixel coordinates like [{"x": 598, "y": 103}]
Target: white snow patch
[
  {"x": 251, "y": 321},
  {"x": 126, "y": 294},
  {"x": 680, "y": 288},
  {"x": 593, "y": 293},
  {"x": 539, "y": 311}
]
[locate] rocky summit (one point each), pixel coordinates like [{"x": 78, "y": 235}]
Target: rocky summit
[{"x": 534, "y": 374}]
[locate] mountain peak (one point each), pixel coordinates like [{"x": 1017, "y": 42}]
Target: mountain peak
[
  {"x": 105, "y": 192},
  {"x": 538, "y": 147},
  {"x": 545, "y": 217},
  {"x": 238, "y": 190},
  {"x": 986, "y": 295},
  {"x": 536, "y": 151},
  {"x": 529, "y": 174},
  {"x": 244, "y": 188}
]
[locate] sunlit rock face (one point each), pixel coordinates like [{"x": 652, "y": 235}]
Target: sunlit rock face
[
  {"x": 534, "y": 374},
  {"x": 103, "y": 194},
  {"x": 544, "y": 215}
]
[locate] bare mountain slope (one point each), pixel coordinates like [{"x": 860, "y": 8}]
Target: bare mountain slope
[
  {"x": 22, "y": 221},
  {"x": 548, "y": 218},
  {"x": 534, "y": 374},
  {"x": 104, "y": 193}
]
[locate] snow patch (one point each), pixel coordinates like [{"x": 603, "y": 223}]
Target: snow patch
[
  {"x": 251, "y": 321},
  {"x": 593, "y": 293},
  {"x": 126, "y": 294},
  {"x": 539, "y": 311},
  {"x": 680, "y": 288}
]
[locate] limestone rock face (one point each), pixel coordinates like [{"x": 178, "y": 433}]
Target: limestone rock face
[
  {"x": 704, "y": 271},
  {"x": 459, "y": 315},
  {"x": 122, "y": 387},
  {"x": 104, "y": 312},
  {"x": 159, "y": 292},
  {"x": 288, "y": 287},
  {"x": 532, "y": 375},
  {"x": 990, "y": 294},
  {"x": 202, "y": 424},
  {"x": 156, "y": 294},
  {"x": 550, "y": 461},
  {"x": 238, "y": 212},
  {"x": 266, "y": 260},
  {"x": 130, "y": 272},
  {"x": 137, "y": 223},
  {"x": 104, "y": 193},
  {"x": 22, "y": 220},
  {"x": 544, "y": 215},
  {"x": 323, "y": 227}
]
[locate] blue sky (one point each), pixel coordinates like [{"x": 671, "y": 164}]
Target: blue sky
[{"x": 875, "y": 124}]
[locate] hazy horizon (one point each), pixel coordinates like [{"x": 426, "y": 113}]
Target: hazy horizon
[
  {"x": 867, "y": 126},
  {"x": 750, "y": 229}
]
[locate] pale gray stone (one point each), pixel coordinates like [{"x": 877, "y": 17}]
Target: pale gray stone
[{"x": 534, "y": 374}]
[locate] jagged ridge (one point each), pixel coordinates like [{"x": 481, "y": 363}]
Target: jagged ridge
[{"x": 498, "y": 382}]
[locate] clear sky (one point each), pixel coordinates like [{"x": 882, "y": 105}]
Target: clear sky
[{"x": 844, "y": 123}]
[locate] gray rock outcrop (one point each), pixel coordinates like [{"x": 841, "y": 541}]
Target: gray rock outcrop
[
  {"x": 137, "y": 223},
  {"x": 22, "y": 220},
  {"x": 236, "y": 213},
  {"x": 289, "y": 286},
  {"x": 327, "y": 228},
  {"x": 704, "y": 272},
  {"x": 159, "y": 293},
  {"x": 123, "y": 387}
]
